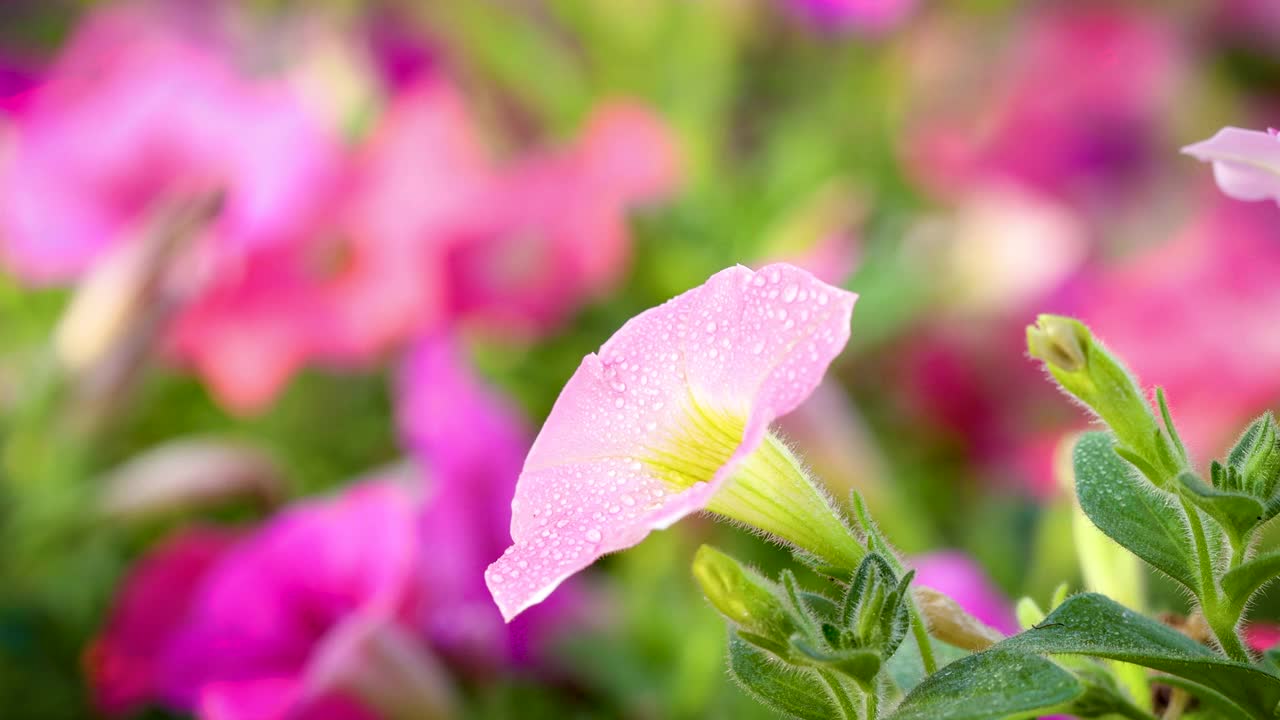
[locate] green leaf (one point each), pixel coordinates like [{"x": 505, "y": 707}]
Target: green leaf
[
  {"x": 794, "y": 692},
  {"x": 992, "y": 684},
  {"x": 1209, "y": 699},
  {"x": 1131, "y": 511},
  {"x": 1244, "y": 580},
  {"x": 1237, "y": 513},
  {"x": 1091, "y": 624}
]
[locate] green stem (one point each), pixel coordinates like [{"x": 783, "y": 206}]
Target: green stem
[
  {"x": 1224, "y": 628},
  {"x": 921, "y": 634},
  {"x": 1208, "y": 587},
  {"x": 844, "y": 704},
  {"x": 873, "y": 703}
]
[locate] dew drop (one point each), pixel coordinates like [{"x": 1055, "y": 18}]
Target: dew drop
[
  {"x": 593, "y": 536},
  {"x": 789, "y": 294},
  {"x": 711, "y": 326}
]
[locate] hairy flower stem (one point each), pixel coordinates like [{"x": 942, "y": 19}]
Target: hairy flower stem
[
  {"x": 1216, "y": 612},
  {"x": 845, "y": 708}
]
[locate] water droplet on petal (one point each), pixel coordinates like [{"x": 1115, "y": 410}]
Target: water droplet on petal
[
  {"x": 789, "y": 294},
  {"x": 593, "y": 536}
]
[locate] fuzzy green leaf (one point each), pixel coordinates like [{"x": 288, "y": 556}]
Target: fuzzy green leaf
[
  {"x": 794, "y": 692},
  {"x": 990, "y": 685},
  {"x": 1244, "y": 580},
  {"x": 1236, "y": 512},
  {"x": 1094, "y": 625},
  {"x": 1131, "y": 511}
]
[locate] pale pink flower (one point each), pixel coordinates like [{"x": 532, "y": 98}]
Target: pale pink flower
[
  {"x": 672, "y": 417},
  {"x": 1246, "y": 163}
]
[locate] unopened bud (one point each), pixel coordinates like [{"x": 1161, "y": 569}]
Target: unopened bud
[
  {"x": 1060, "y": 342},
  {"x": 742, "y": 595},
  {"x": 950, "y": 623}
]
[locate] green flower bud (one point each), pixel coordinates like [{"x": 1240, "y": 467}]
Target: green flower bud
[
  {"x": 742, "y": 595},
  {"x": 1086, "y": 370}
]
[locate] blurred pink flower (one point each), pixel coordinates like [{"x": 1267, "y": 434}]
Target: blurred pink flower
[
  {"x": 550, "y": 232},
  {"x": 865, "y": 16},
  {"x": 262, "y": 617},
  {"x": 1246, "y": 163},
  {"x": 1262, "y": 636},
  {"x": 1197, "y": 316},
  {"x": 134, "y": 113},
  {"x": 344, "y": 297},
  {"x": 245, "y": 631},
  {"x": 720, "y": 362},
  {"x": 958, "y": 576},
  {"x": 472, "y": 444},
  {"x": 1075, "y": 113},
  {"x": 125, "y": 662}
]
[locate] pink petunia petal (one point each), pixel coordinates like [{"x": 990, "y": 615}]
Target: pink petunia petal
[
  {"x": 1246, "y": 163},
  {"x": 745, "y": 347},
  {"x": 264, "y": 609}
]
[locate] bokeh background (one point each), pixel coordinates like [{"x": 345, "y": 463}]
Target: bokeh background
[{"x": 287, "y": 287}]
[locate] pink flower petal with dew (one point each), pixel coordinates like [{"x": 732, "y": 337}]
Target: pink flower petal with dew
[
  {"x": 749, "y": 346},
  {"x": 1246, "y": 163}
]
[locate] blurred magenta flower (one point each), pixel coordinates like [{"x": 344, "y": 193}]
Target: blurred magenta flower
[
  {"x": 126, "y": 663},
  {"x": 958, "y": 576},
  {"x": 135, "y": 113},
  {"x": 864, "y": 16},
  {"x": 253, "y": 633},
  {"x": 1076, "y": 111},
  {"x": 471, "y": 443},
  {"x": 672, "y": 417},
  {"x": 1246, "y": 163}
]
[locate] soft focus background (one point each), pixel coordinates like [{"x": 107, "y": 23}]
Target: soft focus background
[{"x": 286, "y": 289}]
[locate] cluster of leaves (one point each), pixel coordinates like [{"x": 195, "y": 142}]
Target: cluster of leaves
[{"x": 813, "y": 656}]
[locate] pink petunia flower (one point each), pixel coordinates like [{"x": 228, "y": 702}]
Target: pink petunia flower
[
  {"x": 250, "y": 633},
  {"x": 344, "y": 297},
  {"x": 471, "y": 443},
  {"x": 1246, "y": 163},
  {"x": 124, "y": 663},
  {"x": 672, "y": 417},
  {"x": 135, "y": 113}
]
